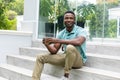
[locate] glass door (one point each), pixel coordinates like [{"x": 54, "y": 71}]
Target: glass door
[{"x": 46, "y": 21}]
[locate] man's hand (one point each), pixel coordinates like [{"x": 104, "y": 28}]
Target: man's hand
[{"x": 48, "y": 41}]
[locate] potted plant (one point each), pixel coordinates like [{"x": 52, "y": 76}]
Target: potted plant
[{"x": 80, "y": 21}]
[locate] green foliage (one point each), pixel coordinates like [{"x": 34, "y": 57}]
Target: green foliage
[
  {"x": 8, "y": 1},
  {"x": 112, "y": 30},
  {"x": 96, "y": 23},
  {"x": 11, "y": 19},
  {"x": 17, "y": 6},
  {"x": 62, "y": 6},
  {"x": 52, "y": 9},
  {"x": 7, "y": 17},
  {"x": 2, "y": 15},
  {"x": 10, "y": 24},
  {"x": 45, "y": 8},
  {"x": 11, "y": 14},
  {"x": 8, "y": 20},
  {"x": 86, "y": 11}
]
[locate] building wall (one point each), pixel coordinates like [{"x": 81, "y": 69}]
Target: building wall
[
  {"x": 11, "y": 41},
  {"x": 114, "y": 13},
  {"x": 109, "y": 1}
]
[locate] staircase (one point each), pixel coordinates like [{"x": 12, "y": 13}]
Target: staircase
[{"x": 103, "y": 64}]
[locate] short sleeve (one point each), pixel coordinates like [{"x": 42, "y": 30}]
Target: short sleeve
[{"x": 82, "y": 32}]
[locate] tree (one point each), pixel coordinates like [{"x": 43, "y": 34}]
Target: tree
[
  {"x": 86, "y": 10},
  {"x": 45, "y": 8},
  {"x": 112, "y": 30},
  {"x": 96, "y": 23},
  {"x": 17, "y": 6}
]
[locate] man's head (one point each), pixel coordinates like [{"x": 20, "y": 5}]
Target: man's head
[{"x": 69, "y": 19}]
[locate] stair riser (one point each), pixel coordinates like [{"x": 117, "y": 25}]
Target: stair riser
[
  {"x": 10, "y": 75},
  {"x": 104, "y": 49},
  {"x": 96, "y": 62},
  {"x": 28, "y": 64},
  {"x": 38, "y": 44},
  {"x": 103, "y": 63},
  {"x": 90, "y": 76},
  {"x": 31, "y": 52}
]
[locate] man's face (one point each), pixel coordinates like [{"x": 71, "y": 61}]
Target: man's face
[{"x": 69, "y": 20}]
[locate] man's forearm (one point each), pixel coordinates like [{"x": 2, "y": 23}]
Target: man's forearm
[
  {"x": 51, "y": 49},
  {"x": 76, "y": 41}
]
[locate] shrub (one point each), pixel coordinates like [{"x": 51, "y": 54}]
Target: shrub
[{"x": 8, "y": 21}]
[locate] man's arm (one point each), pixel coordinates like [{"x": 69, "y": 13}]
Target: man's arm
[
  {"x": 52, "y": 48},
  {"x": 57, "y": 43},
  {"x": 76, "y": 42}
]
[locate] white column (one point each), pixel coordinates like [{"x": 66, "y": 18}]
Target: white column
[{"x": 30, "y": 17}]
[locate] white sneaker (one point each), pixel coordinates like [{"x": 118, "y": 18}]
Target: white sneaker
[{"x": 64, "y": 78}]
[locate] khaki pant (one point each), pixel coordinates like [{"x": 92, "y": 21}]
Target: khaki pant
[{"x": 71, "y": 58}]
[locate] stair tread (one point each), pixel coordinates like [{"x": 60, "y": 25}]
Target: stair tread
[
  {"x": 104, "y": 44},
  {"x": 24, "y": 71},
  {"x": 101, "y": 72},
  {"x": 1, "y": 78},
  {"x": 84, "y": 69},
  {"x": 37, "y": 48},
  {"x": 104, "y": 56}
]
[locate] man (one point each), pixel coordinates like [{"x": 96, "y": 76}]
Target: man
[{"x": 73, "y": 40}]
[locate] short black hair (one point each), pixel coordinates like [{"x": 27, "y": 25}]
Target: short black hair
[{"x": 69, "y": 12}]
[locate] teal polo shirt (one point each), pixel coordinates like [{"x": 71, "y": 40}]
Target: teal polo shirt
[{"x": 77, "y": 31}]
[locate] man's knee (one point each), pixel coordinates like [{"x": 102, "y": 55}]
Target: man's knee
[
  {"x": 70, "y": 47},
  {"x": 40, "y": 58}
]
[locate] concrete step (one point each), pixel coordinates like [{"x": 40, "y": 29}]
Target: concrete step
[
  {"x": 85, "y": 73},
  {"x": 16, "y": 73},
  {"x": 1, "y": 78},
  {"x": 96, "y": 48},
  {"x": 104, "y": 62},
  {"x": 32, "y": 51},
  {"x": 104, "y": 48}
]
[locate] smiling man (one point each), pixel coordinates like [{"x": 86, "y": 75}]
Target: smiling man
[{"x": 73, "y": 41}]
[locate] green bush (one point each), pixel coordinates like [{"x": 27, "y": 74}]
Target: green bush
[
  {"x": 11, "y": 14},
  {"x": 8, "y": 21}
]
